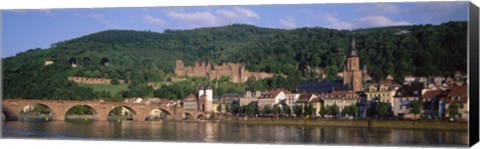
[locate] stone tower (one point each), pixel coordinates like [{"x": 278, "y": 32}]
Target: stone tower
[
  {"x": 208, "y": 99},
  {"x": 352, "y": 74},
  {"x": 179, "y": 67}
]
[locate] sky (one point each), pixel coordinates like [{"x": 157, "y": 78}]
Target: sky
[{"x": 27, "y": 29}]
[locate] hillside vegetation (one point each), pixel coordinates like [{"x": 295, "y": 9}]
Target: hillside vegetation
[{"x": 300, "y": 54}]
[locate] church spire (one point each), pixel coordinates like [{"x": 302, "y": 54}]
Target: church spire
[{"x": 353, "y": 49}]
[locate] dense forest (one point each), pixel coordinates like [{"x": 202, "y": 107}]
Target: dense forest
[{"x": 297, "y": 56}]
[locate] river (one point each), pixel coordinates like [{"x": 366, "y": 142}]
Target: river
[{"x": 230, "y": 133}]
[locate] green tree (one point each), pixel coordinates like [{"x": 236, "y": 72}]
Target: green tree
[
  {"x": 219, "y": 108},
  {"x": 236, "y": 109},
  {"x": 333, "y": 110},
  {"x": 115, "y": 82},
  {"x": 415, "y": 108},
  {"x": 286, "y": 110},
  {"x": 382, "y": 109},
  {"x": 308, "y": 109},
  {"x": 297, "y": 109},
  {"x": 323, "y": 111},
  {"x": 453, "y": 110},
  {"x": 354, "y": 110},
  {"x": 79, "y": 110},
  {"x": 346, "y": 111},
  {"x": 250, "y": 109},
  {"x": 277, "y": 110},
  {"x": 267, "y": 110},
  {"x": 227, "y": 108}
]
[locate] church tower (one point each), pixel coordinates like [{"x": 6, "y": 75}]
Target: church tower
[{"x": 352, "y": 74}]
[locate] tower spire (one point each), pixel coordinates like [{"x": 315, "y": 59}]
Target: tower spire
[{"x": 353, "y": 49}]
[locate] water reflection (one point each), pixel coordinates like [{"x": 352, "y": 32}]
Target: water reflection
[{"x": 230, "y": 133}]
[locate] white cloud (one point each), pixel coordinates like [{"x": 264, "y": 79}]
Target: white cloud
[
  {"x": 329, "y": 20},
  {"x": 46, "y": 11},
  {"x": 288, "y": 23},
  {"x": 198, "y": 18},
  {"x": 237, "y": 15},
  {"x": 333, "y": 22},
  {"x": 242, "y": 12},
  {"x": 153, "y": 20},
  {"x": 379, "y": 8},
  {"x": 377, "y": 21},
  {"x": 226, "y": 13},
  {"x": 214, "y": 17}
]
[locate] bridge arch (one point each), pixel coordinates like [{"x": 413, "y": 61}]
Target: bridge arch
[
  {"x": 30, "y": 109},
  {"x": 201, "y": 117},
  {"x": 80, "y": 111},
  {"x": 187, "y": 116},
  {"x": 37, "y": 110},
  {"x": 158, "y": 113},
  {"x": 124, "y": 112}
]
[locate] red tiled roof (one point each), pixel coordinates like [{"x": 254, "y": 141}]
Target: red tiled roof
[
  {"x": 458, "y": 91},
  {"x": 304, "y": 98},
  {"x": 274, "y": 93},
  {"x": 431, "y": 93},
  {"x": 318, "y": 99},
  {"x": 386, "y": 82},
  {"x": 457, "y": 94},
  {"x": 335, "y": 93}
]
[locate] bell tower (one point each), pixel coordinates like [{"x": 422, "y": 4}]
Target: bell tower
[{"x": 352, "y": 75}]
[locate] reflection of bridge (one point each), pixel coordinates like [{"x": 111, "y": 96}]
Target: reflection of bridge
[{"x": 58, "y": 109}]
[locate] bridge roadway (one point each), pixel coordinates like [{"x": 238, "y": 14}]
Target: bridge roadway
[{"x": 58, "y": 109}]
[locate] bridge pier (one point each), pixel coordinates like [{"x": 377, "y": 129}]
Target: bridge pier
[
  {"x": 140, "y": 115},
  {"x": 59, "y": 118},
  {"x": 101, "y": 118}
]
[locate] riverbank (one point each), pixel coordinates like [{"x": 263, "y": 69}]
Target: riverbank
[{"x": 435, "y": 125}]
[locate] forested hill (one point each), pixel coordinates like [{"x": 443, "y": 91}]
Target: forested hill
[{"x": 301, "y": 54}]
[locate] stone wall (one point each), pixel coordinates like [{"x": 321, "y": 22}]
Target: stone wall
[{"x": 84, "y": 80}]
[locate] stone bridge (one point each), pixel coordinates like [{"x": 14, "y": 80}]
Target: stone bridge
[{"x": 58, "y": 109}]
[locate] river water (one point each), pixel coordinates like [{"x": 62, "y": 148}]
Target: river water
[{"x": 230, "y": 133}]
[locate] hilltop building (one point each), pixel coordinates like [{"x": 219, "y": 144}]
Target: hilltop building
[
  {"x": 48, "y": 62},
  {"x": 236, "y": 72}
]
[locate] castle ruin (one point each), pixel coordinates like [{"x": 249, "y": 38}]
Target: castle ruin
[{"x": 236, "y": 72}]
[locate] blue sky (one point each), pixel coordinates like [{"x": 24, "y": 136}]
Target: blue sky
[{"x": 27, "y": 29}]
